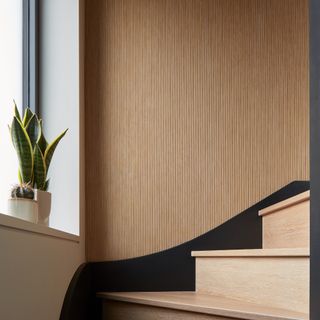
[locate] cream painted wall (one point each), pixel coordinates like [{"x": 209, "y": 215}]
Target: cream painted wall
[{"x": 35, "y": 270}]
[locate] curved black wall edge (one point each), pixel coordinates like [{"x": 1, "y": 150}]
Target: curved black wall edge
[
  {"x": 80, "y": 302},
  {"x": 172, "y": 269}
]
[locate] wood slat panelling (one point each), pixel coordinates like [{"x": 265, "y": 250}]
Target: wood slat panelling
[{"x": 195, "y": 109}]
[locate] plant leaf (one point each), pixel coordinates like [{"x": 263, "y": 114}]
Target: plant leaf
[
  {"x": 40, "y": 173},
  {"x": 19, "y": 176},
  {"x": 51, "y": 148},
  {"x": 46, "y": 185},
  {"x": 42, "y": 142},
  {"x": 16, "y": 111},
  {"x": 27, "y": 116},
  {"x": 32, "y": 128},
  {"x": 22, "y": 144}
]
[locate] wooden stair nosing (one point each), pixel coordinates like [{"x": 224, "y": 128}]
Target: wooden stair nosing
[
  {"x": 248, "y": 253},
  {"x": 205, "y": 304},
  {"x": 301, "y": 197}
]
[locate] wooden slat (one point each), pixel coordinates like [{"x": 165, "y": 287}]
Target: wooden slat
[
  {"x": 198, "y": 304},
  {"x": 299, "y": 252},
  {"x": 195, "y": 110},
  {"x": 279, "y": 282}
]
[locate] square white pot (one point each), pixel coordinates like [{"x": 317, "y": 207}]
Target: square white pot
[{"x": 43, "y": 199}]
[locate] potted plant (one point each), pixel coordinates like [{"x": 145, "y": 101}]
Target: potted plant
[
  {"x": 22, "y": 203},
  {"x": 34, "y": 157}
]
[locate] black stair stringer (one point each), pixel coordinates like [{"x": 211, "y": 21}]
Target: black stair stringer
[{"x": 169, "y": 270}]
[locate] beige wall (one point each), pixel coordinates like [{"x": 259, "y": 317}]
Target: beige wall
[
  {"x": 35, "y": 272},
  {"x": 194, "y": 111}
]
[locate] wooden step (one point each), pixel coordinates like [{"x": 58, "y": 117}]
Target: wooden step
[
  {"x": 247, "y": 253},
  {"x": 277, "y": 278},
  {"x": 287, "y": 224},
  {"x": 186, "y": 306}
]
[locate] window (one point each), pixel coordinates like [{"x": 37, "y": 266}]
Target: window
[
  {"x": 58, "y": 96},
  {"x": 18, "y": 78},
  {"x": 11, "y": 39},
  {"x": 30, "y": 54}
]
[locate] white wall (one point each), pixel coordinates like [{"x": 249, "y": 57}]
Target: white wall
[
  {"x": 59, "y": 107},
  {"x": 35, "y": 270},
  {"x": 11, "y": 88}
]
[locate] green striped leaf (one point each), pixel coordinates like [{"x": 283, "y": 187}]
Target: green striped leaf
[
  {"x": 42, "y": 142},
  {"x": 16, "y": 111},
  {"x": 27, "y": 116},
  {"x": 40, "y": 172},
  {"x": 32, "y": 129},
  {"x": 19, "y": 177},
  {"x": 22, "y": 144},
  {"x": 46, "y": 185},
  {"x": 51, "y": 148}
]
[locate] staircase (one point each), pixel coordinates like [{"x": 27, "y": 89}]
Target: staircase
[{"x": 258, "y": 284}]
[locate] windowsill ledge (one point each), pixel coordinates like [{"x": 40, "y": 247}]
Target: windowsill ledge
[{"x": 11, "y": 222}]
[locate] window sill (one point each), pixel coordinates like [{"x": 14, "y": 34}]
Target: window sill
[{"x": 19, "y": 224}]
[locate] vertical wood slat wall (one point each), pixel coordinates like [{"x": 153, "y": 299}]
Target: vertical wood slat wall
[{"x": 195, "y": 109}]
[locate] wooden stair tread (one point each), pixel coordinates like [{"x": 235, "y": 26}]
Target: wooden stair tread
[
  {"x": 283, "y": 252},
  {"x": 204, "y": 303},
  {"x": 301, "y": 197}
]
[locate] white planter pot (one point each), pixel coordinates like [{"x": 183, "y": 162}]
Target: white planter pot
[
  {"x": 25, "y": 209},
  {"x": 43, "y": 199}
]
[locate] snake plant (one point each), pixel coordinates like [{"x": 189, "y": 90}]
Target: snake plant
[{"x": 33, "y": 151}]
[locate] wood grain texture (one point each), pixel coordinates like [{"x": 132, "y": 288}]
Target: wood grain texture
[
  {"x": 151, "y": 305},
  {"x": 278, "y": 282},
  {"x": 288, "y": 227},
  {"x": 301, "y": 197},
  {"x": 195, "y": 109},
  {"x": 288, "y": 252},
  {"x": 127, "y": 311}
]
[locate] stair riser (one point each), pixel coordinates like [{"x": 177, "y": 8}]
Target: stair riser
[
  {"x": 287, "y": 227},
  {"x": 113, "y": 310},
  {"x": 280, "y": 282}
]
